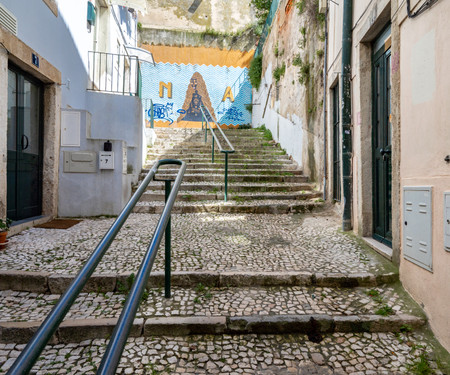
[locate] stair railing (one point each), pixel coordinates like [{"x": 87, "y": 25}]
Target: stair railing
[
  {"x": 207, "y": 119},
  {"x": 111, "y": 358}
]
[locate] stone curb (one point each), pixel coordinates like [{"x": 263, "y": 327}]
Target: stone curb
[
  {"x": 72, "y": 331},
  {"x": 42, "y": 282}
]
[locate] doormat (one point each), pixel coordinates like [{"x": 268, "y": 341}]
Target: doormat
[{"x": 59, "y": 224}]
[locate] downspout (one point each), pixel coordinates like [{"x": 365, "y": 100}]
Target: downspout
[
  {"x": 325, "y": 76},
  {"x": 347, "y": 114}
]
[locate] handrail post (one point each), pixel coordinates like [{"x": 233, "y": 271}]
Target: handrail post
[
  {"x": 202, "y": 121},
  {"x": 167, "y": 273},
  {"x": 226, "y": 176},
  {"x": 206, "y": 130},
  {"x": 152, "y": 115},
  {"x": 212, "y": 155}
]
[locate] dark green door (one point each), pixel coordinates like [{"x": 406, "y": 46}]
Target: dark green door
[
  {"x": 24, "y": 133},
  {"x": 382, "y": 146}
]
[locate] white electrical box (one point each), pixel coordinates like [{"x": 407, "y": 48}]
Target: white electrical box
[
  {"x": 447, "y": 221},
  {"x": 106, "y": 160},
  {"x": 70, "y": 128},
  {"x": 80, "y": 162},
  {"x": 417, "y": 229}
]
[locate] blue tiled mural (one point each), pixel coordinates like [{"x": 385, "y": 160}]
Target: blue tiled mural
[{"x": 178, "y": 90}]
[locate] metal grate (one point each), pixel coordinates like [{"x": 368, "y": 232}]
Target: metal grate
[{"x": 7, "y": 20}]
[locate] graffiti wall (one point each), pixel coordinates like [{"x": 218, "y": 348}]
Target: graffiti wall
[{"x": 179, "y": 90}]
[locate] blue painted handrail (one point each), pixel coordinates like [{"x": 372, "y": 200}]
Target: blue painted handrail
[{"x": 30, "y": 354}]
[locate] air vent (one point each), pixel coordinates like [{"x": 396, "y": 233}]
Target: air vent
[{"x": 7, "y": 20}]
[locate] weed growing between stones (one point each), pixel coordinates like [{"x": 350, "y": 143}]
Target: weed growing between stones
[{"x": 386, "y": 310}]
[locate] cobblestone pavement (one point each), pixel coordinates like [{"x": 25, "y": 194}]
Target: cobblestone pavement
[
  {"x": 355, "y": 354},
  {"x": 213, "y": 242},
  {"x": 202, "y": 301}
]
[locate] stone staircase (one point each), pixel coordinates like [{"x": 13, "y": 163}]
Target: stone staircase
[
  {"x": 251, "y": 294},
  {"x": 261, "y": 177}
]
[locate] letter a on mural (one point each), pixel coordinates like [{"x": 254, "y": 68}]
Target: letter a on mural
[{"x": 196, "y": 96}]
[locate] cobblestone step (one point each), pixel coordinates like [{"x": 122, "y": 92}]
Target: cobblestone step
[
  {"x": 190, "y": 196},
  {"x": 78, "y": 330},
  {"x": 263, "y": 206},
  {"x": 233, "y": 170},
  {"x": 235, "y": 178},
  {"x": 338, "y": 354},
  {"x": 203, "y": 301},
  {"x": 209, "y": 242},
  {"x": 54, "y": 283},
  {"x": 242, "y": 167},
  {"x": 234, "y": 158},
  {"x": 213, "y": 187}
]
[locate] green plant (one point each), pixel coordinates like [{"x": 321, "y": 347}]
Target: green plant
[
  {"x": 255, "y": 71},
  {"x": 276, "y": 51},
  {"x": 373, "y": 293},
  {"x": 405, "y": 328},
  {"x": 262, "y": 8},
  {"x": 279, "y": 72},
  {"x": 248, "y": 107},
  {"x": 385, "y": 311},
  {"x": 139, "y": 26},
  {"x": 319, "y": 53},
  {"x": 5, "y": 225},
  {"x": 421, "y": 366},
  {"x": 125, "y": 288}
]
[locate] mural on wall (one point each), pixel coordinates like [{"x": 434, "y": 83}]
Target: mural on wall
[
  {"x": 178, "y": 90},
  {"x": 196, "y": 96}
]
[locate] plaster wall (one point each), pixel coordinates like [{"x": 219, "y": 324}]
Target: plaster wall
[
  {"x": 220, "y": 15},
  {"x": 425, "y": 52},
  {"x": 61, "y": 38},
  {"x": 287, "y": 131},
  {"x": 293, "y": 110}
]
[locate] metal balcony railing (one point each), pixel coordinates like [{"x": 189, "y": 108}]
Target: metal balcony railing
[{"x": 113, "y": 73}]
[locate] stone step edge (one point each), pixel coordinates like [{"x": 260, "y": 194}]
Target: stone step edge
[
  {"x": 78, "y": 330},
  {"x": 232, "y": 207},
  {"x": 44, "y": 282}
]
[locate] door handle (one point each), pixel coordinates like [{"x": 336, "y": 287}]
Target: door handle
[
  {"x": 385, "y": 153},
  {"x": 24, "y": 137}
]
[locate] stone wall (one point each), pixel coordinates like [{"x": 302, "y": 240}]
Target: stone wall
[{"x": 291, "y": 104}]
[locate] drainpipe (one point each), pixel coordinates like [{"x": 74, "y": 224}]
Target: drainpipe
[
  {"x": 325, "y": 76},
  {"x": 346, "y": 102}
]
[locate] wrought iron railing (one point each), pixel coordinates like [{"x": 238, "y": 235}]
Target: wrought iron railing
[
  {"x": 113, "y": 73},
  {"x": 207, "y": 119},
  {"x": 111, "y": 358},
  {"x": 267, "y": 25}
]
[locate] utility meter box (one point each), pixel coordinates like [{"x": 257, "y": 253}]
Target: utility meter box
[
  {"x": 106, "y": 160},
  {"x": 417, "y": 225},
  {"x": 80, "y": 162}
]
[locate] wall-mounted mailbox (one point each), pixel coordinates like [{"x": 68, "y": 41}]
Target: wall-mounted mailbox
[
  {"x": 447, "y": 221},
  {"x": 80, "y": 162},
  {"x": 106, "y": 160},
  {"x": 417, "y": 229}
]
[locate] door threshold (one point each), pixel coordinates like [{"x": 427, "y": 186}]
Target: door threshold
[
  {"x": 21, "y": 225},
  {"x": 380, "y": 248}
]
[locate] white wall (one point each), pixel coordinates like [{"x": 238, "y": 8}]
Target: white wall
[{"x": 287, "y": 131}]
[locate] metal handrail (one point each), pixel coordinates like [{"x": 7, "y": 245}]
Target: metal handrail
[
  {"x": 30, "y": 354},
  {"x": 226, "y": 152},
  {"x": 243, "y": 76}
]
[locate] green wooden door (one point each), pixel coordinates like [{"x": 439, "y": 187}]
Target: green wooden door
[
  {"x": 24, "y": 143},
  {"x": 382, "y": 146}
]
